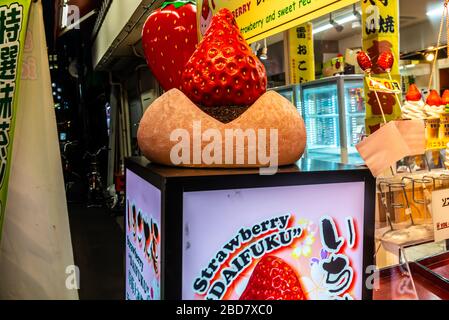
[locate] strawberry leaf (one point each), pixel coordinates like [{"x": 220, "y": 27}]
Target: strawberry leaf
[{"x": 177, "y": 3}]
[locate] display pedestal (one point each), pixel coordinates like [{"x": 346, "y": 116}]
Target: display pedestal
[{"x": 196, "y": 234}]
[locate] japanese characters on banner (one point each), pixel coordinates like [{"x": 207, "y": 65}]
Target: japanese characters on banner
[
  {"x": 13, "y": 26},
  {"x": 259, "y": 19},
  {"x": 247, "y": 244},
  {"x": 301, "y": 54},
  {"x": 143, "y": 237},
  {"x": 381, "y": 33}
]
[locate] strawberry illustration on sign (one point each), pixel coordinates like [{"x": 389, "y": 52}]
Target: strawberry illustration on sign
[
  {"x": 273, "y": 279},
  {"x": 206, "y": 16},
  {"x": 223, "y": 71},
  {"x": 169, "y": 38}
]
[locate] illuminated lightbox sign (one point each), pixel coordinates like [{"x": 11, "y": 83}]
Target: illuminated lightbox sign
[
  {"x": 143, "y": 250},
  {"x": 299, "y": 242}
]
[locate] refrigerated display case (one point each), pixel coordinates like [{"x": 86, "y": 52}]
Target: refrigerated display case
[{"x": 334, "y": 113}]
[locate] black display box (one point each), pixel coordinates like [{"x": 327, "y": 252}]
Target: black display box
[{"x": 175, "y": 184}]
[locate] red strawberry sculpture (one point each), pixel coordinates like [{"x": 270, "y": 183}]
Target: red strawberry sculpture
[
  {"x": 273, "y": 279},
  {"x": 364, "y": 61},
  {"x": 413, "y": 93},
  {"x": 169, "y": 38},
  {"x": 223, "y": 71},
  {"x": 434, "y": 99},
  {"x": 386, "y": 61}
]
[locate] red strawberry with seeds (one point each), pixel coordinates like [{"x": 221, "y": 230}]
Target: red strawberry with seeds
[
  {"x": 169, "y": 38},
  {"x": 223, "y": 71},
  {"x": 364, "y": 61},
  {"x": 386, "y": 61},
  {"x": 273, "y": 279}
]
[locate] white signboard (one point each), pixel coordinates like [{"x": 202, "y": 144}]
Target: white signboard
[{"x": 440, "y": 212}]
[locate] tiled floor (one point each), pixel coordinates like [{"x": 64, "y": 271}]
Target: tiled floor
[{"x": 98, "y": 245}]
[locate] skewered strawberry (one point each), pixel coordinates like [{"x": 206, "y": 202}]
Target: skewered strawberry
[
  {"x": 386, "y": 61},
  {"x": 223, "y": 71},
  {"x": 364, "y": 61}
]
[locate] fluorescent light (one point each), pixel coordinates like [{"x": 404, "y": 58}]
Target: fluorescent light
[
  {"x": 347, "y": 19},
  {"x": 434, "y": 12},
  {"x": 322, "y": 28},
  {"x": 329, "y": 26}
]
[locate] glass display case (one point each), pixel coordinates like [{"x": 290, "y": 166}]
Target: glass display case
[
  {"x": 292, "y": 93},
  {"x": 334, "y": 112}
]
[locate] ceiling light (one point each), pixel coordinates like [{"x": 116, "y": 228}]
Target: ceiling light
[
  {"x": 434, "y": 12},
  {"x": 430, "y": 57},
  {"x": 335, "y": 24},
  {"x": 329, "y": 26}
]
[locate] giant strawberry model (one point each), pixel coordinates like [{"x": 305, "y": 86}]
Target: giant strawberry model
[
  {"x": 169, "y": 37},
  {"x": 223, "y": 89}
]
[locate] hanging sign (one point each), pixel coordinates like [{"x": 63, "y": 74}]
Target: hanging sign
[
  {"x": 383, "y": 85},
  {"x": 13, "y": 26},
  {"x": 381, "y": 33},
  {"x": 259, "y": 19},
  {"x": 301, "y": 54}
]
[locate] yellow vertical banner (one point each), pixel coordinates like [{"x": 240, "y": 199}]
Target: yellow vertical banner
[
  {"x": 381, "y": 33},
  {"x": 301, "y": 54},
  {"x": 13, "y": 26}
]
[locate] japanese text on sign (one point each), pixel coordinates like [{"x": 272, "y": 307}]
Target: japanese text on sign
[
  {"x": 302, "y": 60},
  {"x": 10, "y": 27}
]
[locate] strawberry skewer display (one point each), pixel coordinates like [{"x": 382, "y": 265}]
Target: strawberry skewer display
[{"x": 366, "y": 65}]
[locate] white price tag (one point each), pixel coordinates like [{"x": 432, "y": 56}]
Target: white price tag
[{"x": 440, "y": 214}]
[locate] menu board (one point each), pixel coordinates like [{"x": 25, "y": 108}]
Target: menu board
[{"x": 298, "y": 242}]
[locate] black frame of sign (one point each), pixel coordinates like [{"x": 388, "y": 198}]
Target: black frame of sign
[{"x": 173, "y": 182}]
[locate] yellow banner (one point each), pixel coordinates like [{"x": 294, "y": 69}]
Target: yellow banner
[
  {"x": 13, "y": 26},
  {"x": 381, "y": 33},
  {"x": 301, "y": 54},
  {"x": 383, "y": 85},
  {"x": 259, "y": 19}
]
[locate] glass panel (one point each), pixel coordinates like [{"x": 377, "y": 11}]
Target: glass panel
[
  {"x": 355, "y": 118},
  {"x": 320, "y": 112},
  {"x": 288, "y": 94}
]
